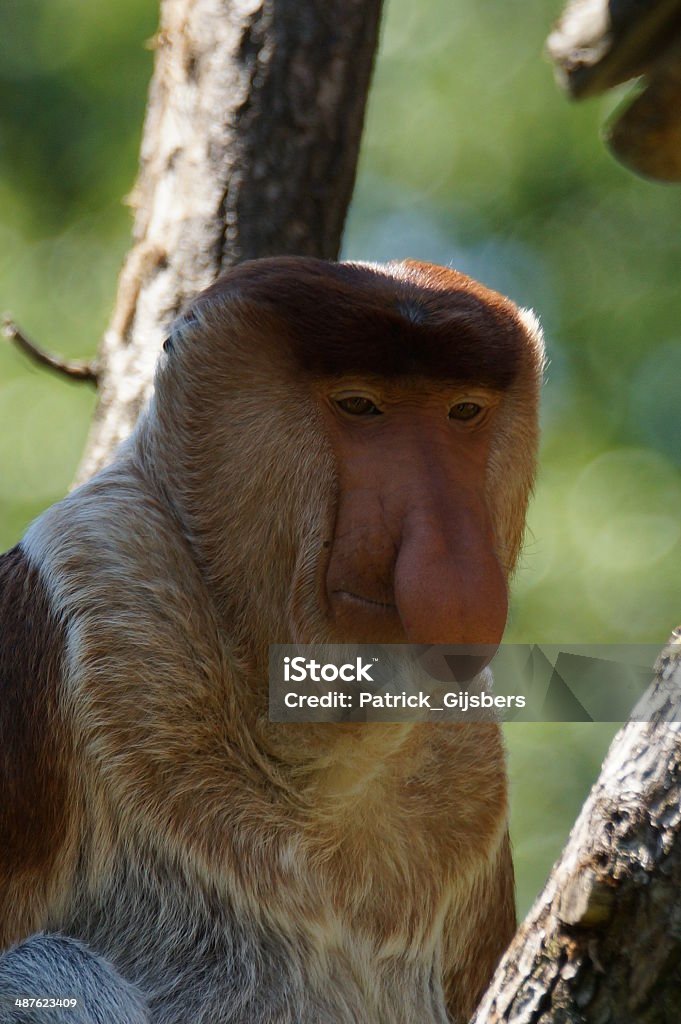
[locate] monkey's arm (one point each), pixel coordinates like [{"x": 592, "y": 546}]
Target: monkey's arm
[
  {"x": 39, "y": 815},
  {"x": 38, "y": 804},
  {"x": 481, "y": 930},
  {"x": 60, "y": 968}
]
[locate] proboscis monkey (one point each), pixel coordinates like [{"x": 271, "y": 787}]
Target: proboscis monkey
[{"x": 333, "y": 453}]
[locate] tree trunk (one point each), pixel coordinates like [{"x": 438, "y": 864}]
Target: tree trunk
[
  {"x": 602, "y": 944},
  {"x": 250, "y": 149}
]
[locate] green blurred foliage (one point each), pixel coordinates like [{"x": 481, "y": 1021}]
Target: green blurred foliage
[
  {"x": 471, "y": 157},
  {"x": 73, "y": 81}
]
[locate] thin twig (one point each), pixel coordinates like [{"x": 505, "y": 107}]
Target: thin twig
[{"x": 75, "y": 370}]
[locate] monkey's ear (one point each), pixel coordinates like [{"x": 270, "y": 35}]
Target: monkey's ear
[{"x": 168, "y": 344}]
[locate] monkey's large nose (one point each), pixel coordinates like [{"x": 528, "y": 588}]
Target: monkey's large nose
[{"x": 449, "y": 586}]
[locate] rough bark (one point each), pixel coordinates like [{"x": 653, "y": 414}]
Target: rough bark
[
  {"x": 249, "y": 149},
  {"x": 602, "y": 945},
  {"x": 598, "y": 44}
]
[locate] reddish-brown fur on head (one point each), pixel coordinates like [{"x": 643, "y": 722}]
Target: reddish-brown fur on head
[{"x": 399, "y": 320}]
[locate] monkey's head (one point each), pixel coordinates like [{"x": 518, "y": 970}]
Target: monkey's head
[{"x": 349, "y": 449}]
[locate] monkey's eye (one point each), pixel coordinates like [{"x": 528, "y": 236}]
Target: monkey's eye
[
  {"x": 358, "y": 405},
  {"x": 465, "y": 411}
]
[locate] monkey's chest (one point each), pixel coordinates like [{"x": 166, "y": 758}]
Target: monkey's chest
[{"x": 203, "y": 959}]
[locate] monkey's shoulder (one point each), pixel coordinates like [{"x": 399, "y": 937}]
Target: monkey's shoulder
[
  {"x": 33, "y": 741},
  {"x": 116, "y": 561}
]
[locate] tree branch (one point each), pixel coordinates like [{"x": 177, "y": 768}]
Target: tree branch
[
  {"x": 602, "y": 944},
  {"x": 74, "y": 370}
]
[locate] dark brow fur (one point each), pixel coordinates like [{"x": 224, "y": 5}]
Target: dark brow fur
[{"x": 344, "y": 318}]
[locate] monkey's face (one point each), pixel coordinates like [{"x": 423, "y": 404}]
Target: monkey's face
[
  {"x": 413, "y": 555},
  {"x": 350, "y": 450}
]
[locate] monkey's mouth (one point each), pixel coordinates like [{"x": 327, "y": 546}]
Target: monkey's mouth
[
  {"x": 348, "y": 595},
  {"x": 357, "y": 618}
]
